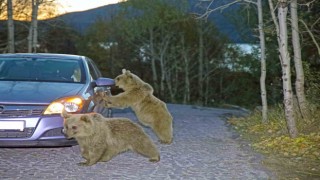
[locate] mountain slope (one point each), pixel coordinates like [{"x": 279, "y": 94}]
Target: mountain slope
[{"x": 81, "y": 20}]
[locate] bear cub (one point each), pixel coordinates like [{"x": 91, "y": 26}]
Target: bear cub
[
  {"x": 149, "y": 110},
  {"x": 100, "y": 138}
]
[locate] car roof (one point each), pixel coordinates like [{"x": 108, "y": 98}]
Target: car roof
[{"x": 42, "y": 55}]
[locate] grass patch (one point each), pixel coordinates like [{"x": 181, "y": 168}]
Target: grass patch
[{"x": 289, "y": 158}]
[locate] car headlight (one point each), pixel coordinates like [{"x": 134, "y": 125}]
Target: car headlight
[{"x": 70, "y": 104}]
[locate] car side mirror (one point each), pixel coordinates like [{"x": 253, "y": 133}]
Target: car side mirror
[{"x": 101, "y": 82}]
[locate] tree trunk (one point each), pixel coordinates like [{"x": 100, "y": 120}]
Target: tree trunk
[
  {"x": 186, "y": 97},
  {"x": 299, "y": 84},
  {"x": 263, "y": 65},
  {"x": 162, "y": 57},
  {"x": 186, "y": 94},
  {"x": 286, "y": 73},
  {"x": 163, "y": 77},
  {"x": 171, "y": 86},
  {"x": 221, "y": 94},
  {"x": 153, "y": 63},
  {"x": 33, "y": 31},
  {"x": 30, "y": 39},
  {"x": 207, "y": 88},
  {"x": 200, "y": 69},
  {"x": 10, "y": 27}
]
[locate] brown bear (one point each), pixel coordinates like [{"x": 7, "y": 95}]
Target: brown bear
[
  {"x": 102, "y": 138},
  {"x": 150, "y": 110}
]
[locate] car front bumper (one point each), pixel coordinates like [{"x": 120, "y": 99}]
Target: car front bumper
[
  {"x": 39, "y": 132},
  {"x": 38, "y": 143}
]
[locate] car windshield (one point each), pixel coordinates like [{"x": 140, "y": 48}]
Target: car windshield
[{"x": 41, "y": 69}]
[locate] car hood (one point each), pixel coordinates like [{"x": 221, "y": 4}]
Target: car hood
[{"x": 36, "y": 92}]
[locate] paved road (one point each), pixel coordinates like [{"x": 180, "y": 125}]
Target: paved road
[{"x": 203, "y": 148}]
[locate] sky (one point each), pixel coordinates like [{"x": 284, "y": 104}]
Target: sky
[{"x": 81, "y": 5}]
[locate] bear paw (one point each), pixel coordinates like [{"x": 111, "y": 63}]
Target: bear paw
[
  {"x": 83, "y": 163},
  {"x": 156, "y": 159},
  {"x": 165, "y": 141}
]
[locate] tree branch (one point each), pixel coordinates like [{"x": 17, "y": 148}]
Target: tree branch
[
  {"x": 209, "y": 11},
  {"x": 274, "y": 18},
  {"x": 311, "y": 35},
  {"x": 308, "y": 3},
  {"x": 315, "y": 23}
]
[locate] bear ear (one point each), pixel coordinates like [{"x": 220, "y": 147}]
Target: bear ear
[
  {"x": 126, "y": 72},
  {"x": 65, "y": 114},
  {"x": 85, "y": 118}
]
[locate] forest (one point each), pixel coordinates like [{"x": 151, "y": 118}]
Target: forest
[{"x": 183, "y": 55}]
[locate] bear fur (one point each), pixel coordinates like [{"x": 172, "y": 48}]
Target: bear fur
[
  {"x": 150, "y": 110},
  {"x": 100, "y": 138}
]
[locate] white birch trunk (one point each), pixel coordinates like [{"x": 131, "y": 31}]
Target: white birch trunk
[
  {"x": 10, "y": 27},
  {"x": 286, "y": 71},
  {"x": 263, "y": 64},
  {"x": 299, "y": 84}
]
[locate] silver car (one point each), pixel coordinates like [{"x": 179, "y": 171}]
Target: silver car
[{"x": 34, "y": 89}]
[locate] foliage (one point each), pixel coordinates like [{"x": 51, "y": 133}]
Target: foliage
[
  {"x": 22, "y": 9},
  {"x": 230, "y": 76},
  {"x": 309, "y": 13},
  {"x": 65, "y": 44},
  {"x": 105, "y": 43},
  {"x": 312, "y": 76},
  {"x": 54, "y": 37},
  {"x": 306, "y": 146},
  {"x": 225, "y": 74},
  {"x": 273, "y": 141}
]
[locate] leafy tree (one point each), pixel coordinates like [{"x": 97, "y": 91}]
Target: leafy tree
[
  {"x": 26, "y": 10},
  {"x": 22, "y": 9},
  {"x": 57, "y": 37},
  {"x": 309, "y": 25},
  {"x": 105, "y": 44},
  {"x": 258, "y": 18},
  {"x": 167, "y": 35}
]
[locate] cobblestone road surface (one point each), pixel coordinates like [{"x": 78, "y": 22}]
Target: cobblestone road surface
[{"x": 203, "y": 148}]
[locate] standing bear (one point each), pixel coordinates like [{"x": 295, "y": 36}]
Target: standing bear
[
  {"x": 138, "y": 95},
  {"x": 102, "y": 138}
]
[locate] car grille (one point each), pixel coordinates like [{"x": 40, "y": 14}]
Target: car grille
[
  {"x": 17, "y": 134},
  {"x": 21, "y": 113},
  {"x": 53, "y": 132}
]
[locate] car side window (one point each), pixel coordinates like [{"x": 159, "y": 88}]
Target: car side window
[{"x": 94, "y": 71}]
